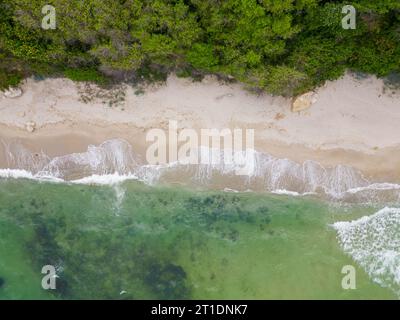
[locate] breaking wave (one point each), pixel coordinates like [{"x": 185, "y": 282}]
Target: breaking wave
[
  {"x": 114, "y": 161},
  {"x": 374, "y": 243}
]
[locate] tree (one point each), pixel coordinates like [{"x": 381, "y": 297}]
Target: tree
[{"x": 258, "y": 42}]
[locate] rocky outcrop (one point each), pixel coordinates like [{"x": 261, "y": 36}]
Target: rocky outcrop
[
  {"x": 304, "y": 101},
  {"x": 12, "y": 93}
]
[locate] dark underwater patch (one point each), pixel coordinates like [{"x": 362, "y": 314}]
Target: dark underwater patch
[
  {"x": 167, "y": 281},
  {"x": 102, "y": 255}
]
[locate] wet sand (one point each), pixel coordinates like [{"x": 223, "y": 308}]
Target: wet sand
[{"x": 354, "y": 122}]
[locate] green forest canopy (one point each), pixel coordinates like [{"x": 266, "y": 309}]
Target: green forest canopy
[{"x": 282, "y": 46}]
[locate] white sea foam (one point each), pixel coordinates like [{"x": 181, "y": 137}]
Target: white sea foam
[
  {"x": 374, "y": 242},
  {"x": 106, "y": 179},
  {"x": 114, "y": 162},
  {"x": 230, "y": 190},
  {"x": 15, "y": 173},
  {"x": 375, "y": 187},
  {"x": 111, "y": 156},
  {"x": 24, "y": 174},
  {"x": 286, "y": 192}
]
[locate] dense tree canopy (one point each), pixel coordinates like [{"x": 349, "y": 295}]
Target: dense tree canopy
[{"x": 283, "y": 46}]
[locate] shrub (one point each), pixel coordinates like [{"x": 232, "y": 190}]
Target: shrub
[{"x": 90, "y": 75}]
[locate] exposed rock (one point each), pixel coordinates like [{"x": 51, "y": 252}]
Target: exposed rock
[
  {"x": 12, "y": 93},
  {"x": 30, "y": 126},
  {"x": 21, "y": 114},
  {"x": 304, "y": 101}
]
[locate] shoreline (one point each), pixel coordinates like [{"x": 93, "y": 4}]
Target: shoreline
[
  {"x": 345, "y": 126},
  {"x": 59, "y": 139}
]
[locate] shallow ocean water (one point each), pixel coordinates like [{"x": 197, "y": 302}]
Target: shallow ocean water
[{"x": 135, "y": 241}]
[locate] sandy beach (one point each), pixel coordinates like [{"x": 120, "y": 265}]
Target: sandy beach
[
  {"x": 344, "y": 149},
  {"x": 353, "y": 122}
]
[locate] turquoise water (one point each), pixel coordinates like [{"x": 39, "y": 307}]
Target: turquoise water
[{"x": 135, "y": 241}]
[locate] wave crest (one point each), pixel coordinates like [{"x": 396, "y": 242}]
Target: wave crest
[
  {"x": 374, "y": 242},
  {"x": 114, "y": 161}
]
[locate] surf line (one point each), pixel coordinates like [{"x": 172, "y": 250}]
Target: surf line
[{"x": 198, "y": 150}]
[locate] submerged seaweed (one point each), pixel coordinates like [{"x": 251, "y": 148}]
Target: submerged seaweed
[
  {"x": 213, "y": 208},
  {"x": 133, "y": 256},
  {"x": 99, "y": 258},
  {"x": 167, "y": 243},
  {"x": 167, "y": 280}
]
